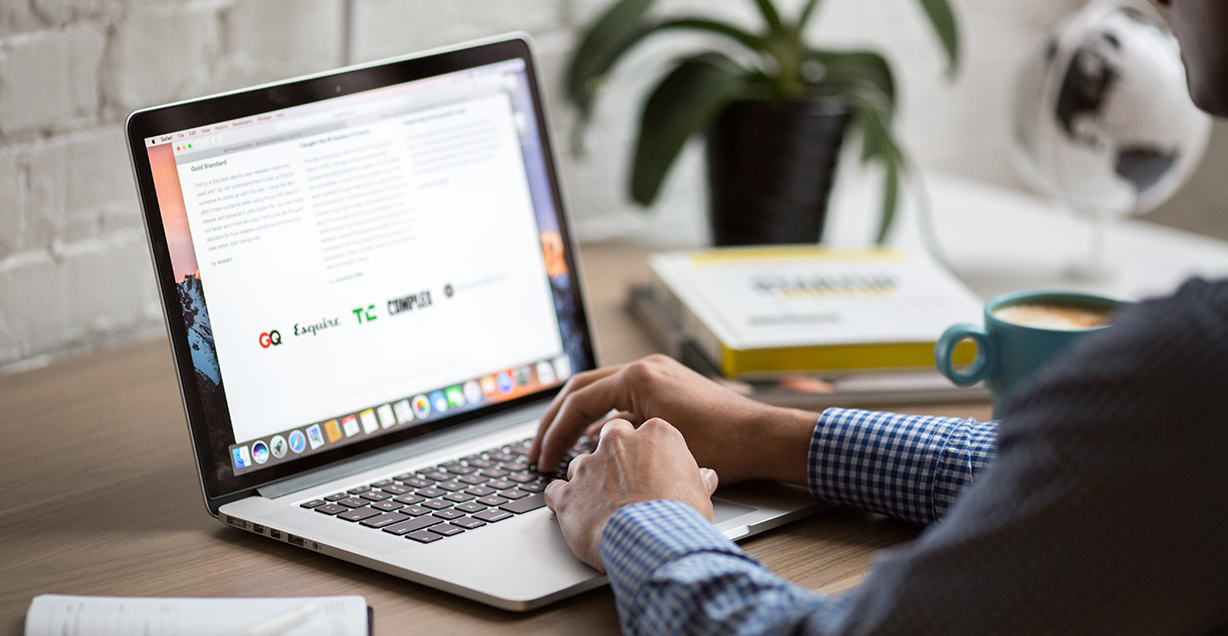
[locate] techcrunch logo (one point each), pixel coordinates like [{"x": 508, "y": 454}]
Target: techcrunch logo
[{"x": 205, "y": 166}]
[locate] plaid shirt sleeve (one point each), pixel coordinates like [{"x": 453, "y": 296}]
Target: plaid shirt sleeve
[
  {"x": 674, "y": 573},
  {"x": 910, "y": 467}
]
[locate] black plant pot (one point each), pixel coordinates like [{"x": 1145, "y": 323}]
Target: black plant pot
[{"x": 770, "y": 169}]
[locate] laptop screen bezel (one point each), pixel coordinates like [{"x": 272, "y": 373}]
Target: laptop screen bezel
[{"x": 296, "y": 92}]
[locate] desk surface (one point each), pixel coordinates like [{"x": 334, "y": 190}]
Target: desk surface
[{"x": 99, "y": 497}]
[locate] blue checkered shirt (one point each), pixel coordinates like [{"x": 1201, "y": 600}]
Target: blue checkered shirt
[
  {"x": 910, "y": 467},
  {"x": 1098, "y": 505}
]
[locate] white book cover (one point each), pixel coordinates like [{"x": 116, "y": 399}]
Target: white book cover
[
  {"x": 61, "y": 615},
  {"x": 791, "y": 296}
]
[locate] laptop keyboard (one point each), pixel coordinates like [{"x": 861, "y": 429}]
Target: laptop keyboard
[{"x": 449, "y": 498}]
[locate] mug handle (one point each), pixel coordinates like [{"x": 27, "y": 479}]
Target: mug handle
[{"x": 982, "y": 365}]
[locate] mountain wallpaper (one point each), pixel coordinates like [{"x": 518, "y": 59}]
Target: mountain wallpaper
[{"x": 208, "y": 373}]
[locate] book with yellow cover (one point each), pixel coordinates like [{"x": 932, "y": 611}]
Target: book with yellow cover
[{"x": 768, "y": 310}]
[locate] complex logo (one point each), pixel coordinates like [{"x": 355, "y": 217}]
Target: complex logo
[
  {"x": 409, "y": 303},
  {"x": 270, "y": 339}
]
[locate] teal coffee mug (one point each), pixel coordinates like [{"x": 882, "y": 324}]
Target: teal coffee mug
[{"x": 1023, "y": 330}]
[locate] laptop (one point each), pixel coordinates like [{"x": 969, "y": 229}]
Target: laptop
[{"x": 372, "y": 294}]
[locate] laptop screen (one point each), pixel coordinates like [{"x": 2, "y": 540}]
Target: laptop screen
[{"x": 374, "y": 264}]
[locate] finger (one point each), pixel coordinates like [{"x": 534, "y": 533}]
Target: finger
[
  {"x": 554, "y": 494},
  {"x": 577, "y": 411},
  {"x": 612, "y": 426},
  {"x": 711, "y": 480},
  {"x": 574, "y": 464},
  {"x": 577, "y": 382},
  {"x": 594, "y": 429}
]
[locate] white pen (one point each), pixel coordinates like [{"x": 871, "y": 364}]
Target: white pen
[{"x": 281, "y": 623}]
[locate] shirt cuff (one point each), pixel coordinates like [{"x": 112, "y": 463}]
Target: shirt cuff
[
  {"x": 673, "y": 573},
  {"x": 642, "y": 537},
  {"x": 910, "y": 467}
]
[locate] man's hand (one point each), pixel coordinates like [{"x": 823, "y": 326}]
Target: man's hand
[
  {"x": 734, "y": 435},
  {"x": 628, "y": 466}
]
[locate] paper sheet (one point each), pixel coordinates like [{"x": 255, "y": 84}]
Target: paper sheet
[{"x": 60, "y": 615}]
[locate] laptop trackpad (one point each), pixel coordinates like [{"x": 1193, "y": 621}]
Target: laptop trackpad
[{"x": 723, "y": 510}]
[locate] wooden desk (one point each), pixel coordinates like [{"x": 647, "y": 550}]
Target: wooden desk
[{"x": 100, "y": 497}]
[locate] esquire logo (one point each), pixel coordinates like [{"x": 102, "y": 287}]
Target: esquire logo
[
  {"x": 270, "y": 339},
  {"x": 316, "y": 327}
]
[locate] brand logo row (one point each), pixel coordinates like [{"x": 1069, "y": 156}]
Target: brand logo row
[{"x": 396, "y": 306}]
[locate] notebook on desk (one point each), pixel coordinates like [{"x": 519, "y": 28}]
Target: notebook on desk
[
  {"x": 371, "y": 293},
  {"x": 61, "y": 615}
]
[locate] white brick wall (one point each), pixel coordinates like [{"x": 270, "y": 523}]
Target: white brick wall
[
  {"x": 74, "y": 269},
  {"x": 50, "y": 78}
]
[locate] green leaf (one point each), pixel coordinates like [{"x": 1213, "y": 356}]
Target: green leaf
[
  {"x": 770, "y": 16},
  {"x": 878, "y": 145},
  {"x": 603, "y": 43},
  {"x": 943, "y": 21},
  {"x": 747, "y": 39},
  {"x": 891, "y": 194},
  {"x": 871, "y": 119},
  {"x": 864, "y": 71},
  {"x": 804, "y": 16},
  {"x": 685, "y": 103},
  {"x": 611, "y": 37}
]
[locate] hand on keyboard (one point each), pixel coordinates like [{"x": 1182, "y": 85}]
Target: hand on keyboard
[
  {"x": 628, "y": 466},
  {"x": 734, "y": 435}
]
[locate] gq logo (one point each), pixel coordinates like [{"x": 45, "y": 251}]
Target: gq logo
[{"x": 270, "y": 339}]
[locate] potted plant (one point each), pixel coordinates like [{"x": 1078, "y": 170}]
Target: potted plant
[{"x": 774, "y": 113}]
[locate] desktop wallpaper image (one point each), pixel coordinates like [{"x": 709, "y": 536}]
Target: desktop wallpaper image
[{"x": 192, "y": 303}]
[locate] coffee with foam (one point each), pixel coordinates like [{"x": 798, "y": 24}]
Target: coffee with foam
[{"x": 1061, "y": 317}]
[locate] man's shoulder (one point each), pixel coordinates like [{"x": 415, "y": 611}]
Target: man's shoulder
[
  {"x": 1196, "y": 310},
  {"x": 1163, "y": 354},
  {"x": 1199, "y": 289}
]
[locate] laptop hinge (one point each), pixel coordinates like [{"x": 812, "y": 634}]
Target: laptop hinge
[{"x": 409, "y": 449}]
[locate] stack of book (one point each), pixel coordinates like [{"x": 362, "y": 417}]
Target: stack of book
[{"x": 810, "y": 327}]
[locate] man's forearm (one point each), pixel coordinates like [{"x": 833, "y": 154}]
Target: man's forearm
[
  {"x": 910, "y": 467},
  {"x": 780, "y": 447},
  {"x": 673, "y": 573}
]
